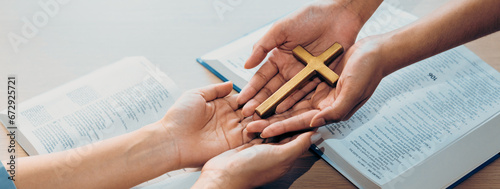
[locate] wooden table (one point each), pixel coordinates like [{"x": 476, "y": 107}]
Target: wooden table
[{"x": 86, "y": 35}]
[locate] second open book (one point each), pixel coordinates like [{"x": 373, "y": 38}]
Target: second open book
[{"x": 426, "y": 126}]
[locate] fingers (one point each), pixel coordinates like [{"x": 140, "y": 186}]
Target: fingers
[
  {"x": 231, "y": 100},
  {"x": 261, "y": 77},
  {"x": 259, "y": 125},
  {"x": 215, "y": 91},
  {"x": 268, "y": 42},
  {"x": 298, "y": 122},
  {"x": 299, "y": 145},
  {"x": 339, "y": 109},
  {"x": 297, "y": 96},
  {"x": 272, "y": 86}
]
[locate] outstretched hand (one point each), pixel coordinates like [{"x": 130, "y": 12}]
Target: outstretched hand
[
  {"x": 361, "y": 74},
  {"x": 253, "y": 164},
  {"x": 206, "y": 122},
  {"x": 315, "y": 27}
]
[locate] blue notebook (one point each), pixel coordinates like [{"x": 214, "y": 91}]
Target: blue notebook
[{"x": 414, "y": 132}]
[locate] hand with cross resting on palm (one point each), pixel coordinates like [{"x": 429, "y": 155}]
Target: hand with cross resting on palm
[
  {"x": 361, "y": 67},
  {"x": 315, "y": 27}
]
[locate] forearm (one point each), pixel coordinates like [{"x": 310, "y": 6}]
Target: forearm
[
  {"x": 359, "y": 11},
  {"x": 214, "y": 179},
  {"x": 456, "y": 23},
  {"x": 120, "y": 162},
  {"x": 364, "y": 8}
]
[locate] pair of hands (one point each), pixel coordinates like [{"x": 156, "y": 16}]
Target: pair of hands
[
  {"x": 361, "y": 69},
  {"x": 207, "y": 125},
  {"x": 315, "y": 27}
]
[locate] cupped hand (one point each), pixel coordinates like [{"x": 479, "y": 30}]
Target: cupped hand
[
  {"x": 362, "y": 70},
  {"x": 206, "y": 122},
  {"x": 315, "y": 27},
  {"x": 253, "y": 164}
]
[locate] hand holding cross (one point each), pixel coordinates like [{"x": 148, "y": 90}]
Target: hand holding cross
[{"x": 318, "y": 64}]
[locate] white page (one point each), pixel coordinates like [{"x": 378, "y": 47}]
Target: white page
[
  {"x": 396, "y": 98},
  {"x": 411, "y": 116},
  {"x": 234, "y": 55},
  {"x": 111, "y": 101}
]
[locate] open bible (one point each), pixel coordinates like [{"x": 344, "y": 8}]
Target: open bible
[
  {"x": 426, "y": 126},
  {"x": 111, "y": 101}
]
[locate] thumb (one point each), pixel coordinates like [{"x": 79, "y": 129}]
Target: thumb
[
  {"x": 273, "y": 38},
  {"x": 299, "y": 145},
  {"x": 215, "y": 91},
  {"x": 336, "y": 112}
]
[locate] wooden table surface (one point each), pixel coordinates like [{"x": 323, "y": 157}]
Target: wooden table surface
[{"x": 86, "y": 35}]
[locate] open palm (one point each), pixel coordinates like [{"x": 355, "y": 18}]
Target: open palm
[
  {"x": 206, "y": 123},
  {"x": 361, "y": 74},
  {"x": 315, "y": 27}
]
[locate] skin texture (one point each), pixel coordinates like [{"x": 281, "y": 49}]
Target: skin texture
[
  {"x": 253, "y": 164},
  {"x": 202, "y": 124},
  {"x": 369, "y": 60},
  {"x": 325, "y": 97},
  {"x": 214, "y": 125},
  {"x": 315, "y": 27},
  {"x": 205, "y": 123}
]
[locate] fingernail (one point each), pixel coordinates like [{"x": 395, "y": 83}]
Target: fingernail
[
  {"x": 318, "y": 122},
  {"x": 261, "y": 136},
  {"x": 315, "y": 138}
]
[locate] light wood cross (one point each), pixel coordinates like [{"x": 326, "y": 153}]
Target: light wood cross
[{"x": 318, "y": 64}]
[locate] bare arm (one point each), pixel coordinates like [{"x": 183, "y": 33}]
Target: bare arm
[
  {"x": 120, "y": 162},
  {"x": 455, "y": 23},
  {"x": 200, "y": 125},
  {"x": 369, "y": 60},
  {"x": 316, "y": 27}
]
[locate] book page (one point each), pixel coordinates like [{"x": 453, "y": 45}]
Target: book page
[
  {"x": 416, "y": 112},
  {"x": 411, "y": 116},
  {"x": 111, "y": 101},
  {"x": 234, "y": 55}
]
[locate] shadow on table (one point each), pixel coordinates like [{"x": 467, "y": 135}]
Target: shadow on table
[{"x": 301, "y": 166}]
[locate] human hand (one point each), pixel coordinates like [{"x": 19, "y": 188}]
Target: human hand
[
  {"x": 204, "y": 123},
  {"x": 253, "y": 164},
  {"x": 362, "y": 68},
  {"x": 315, "y": 27}
]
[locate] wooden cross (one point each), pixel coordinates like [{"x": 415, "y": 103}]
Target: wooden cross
[{"x": 318, "y": 64}]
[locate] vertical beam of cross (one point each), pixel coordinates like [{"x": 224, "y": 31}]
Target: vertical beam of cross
[{"x": 314, "y": 65}]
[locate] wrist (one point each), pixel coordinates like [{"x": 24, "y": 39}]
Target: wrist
[
  {"x": 163, "y": 147},
  {"x": 371, "y": 53},
  {"x": 217, "y": 179},
  {"x": 397, "y": 50},
  {"x": 362, "y": 8}
]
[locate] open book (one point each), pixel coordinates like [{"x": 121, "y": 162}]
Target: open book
[
  {"x": 111, "y": 101},
  {"x": 426, "y": 126}
]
